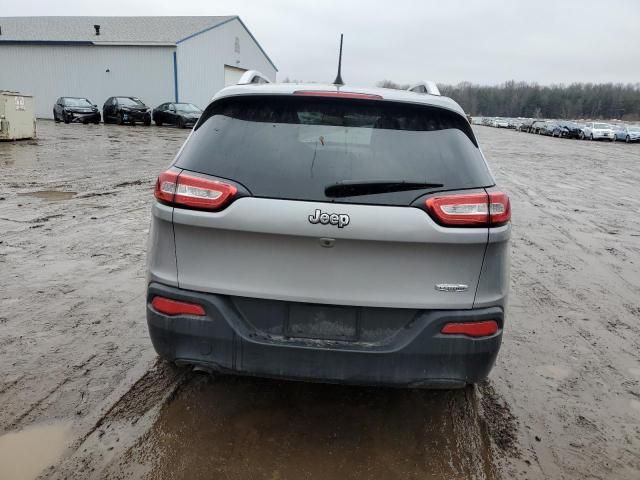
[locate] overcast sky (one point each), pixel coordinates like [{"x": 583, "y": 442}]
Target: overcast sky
[{"x": 448, "y": 41}]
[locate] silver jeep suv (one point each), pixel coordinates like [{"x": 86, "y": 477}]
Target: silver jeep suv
[{"x": 333, "y": 234}]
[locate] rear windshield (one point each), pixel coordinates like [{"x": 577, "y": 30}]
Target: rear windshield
[{"x": 292, "y": 147}]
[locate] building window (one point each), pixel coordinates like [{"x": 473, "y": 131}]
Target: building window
[{"x": 237, "y": 47}]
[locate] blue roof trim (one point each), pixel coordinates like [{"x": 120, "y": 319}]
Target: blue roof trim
[
  {"x": 227, "y": 21},
  {"x": 207, "y": 29}
]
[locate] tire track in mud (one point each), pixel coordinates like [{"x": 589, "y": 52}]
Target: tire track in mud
[
  {"x": 32, "y": 409},
  {"x": 120, "y": 423}
]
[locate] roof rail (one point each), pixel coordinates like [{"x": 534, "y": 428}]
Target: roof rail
[
  {"x": 425, "y": 87},
  {"x": 253, "y": 77}
]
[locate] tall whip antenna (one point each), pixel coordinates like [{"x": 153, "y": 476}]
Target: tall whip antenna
[{"x": 338, "y": 80}]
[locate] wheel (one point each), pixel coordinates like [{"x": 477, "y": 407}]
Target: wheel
[
  {"x": 158, "y": 123},
  {"x": 147, "y": 121},
  {"x": 120, "y": 118},
  {"x": 65, "y": 119},
  {"x": 55, "y": 117},
  {"x": 133, "y": 122},
  {"x": 614, "y": 138},
  {"x": 96, "y": 121},
  {"x": 628, "y": 139},
  {"x": 180, "y": 122},
  {"x": 591, "y": 137}
]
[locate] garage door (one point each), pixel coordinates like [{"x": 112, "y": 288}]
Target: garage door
[{"x": 232, "y": 75}]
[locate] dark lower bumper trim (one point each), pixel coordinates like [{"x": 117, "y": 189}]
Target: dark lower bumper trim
[{"x": 418, "y": 356}]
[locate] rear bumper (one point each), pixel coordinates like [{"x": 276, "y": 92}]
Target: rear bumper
[
  {"x": 417, "y": 355},
  {"x": 602, "y": 136}
]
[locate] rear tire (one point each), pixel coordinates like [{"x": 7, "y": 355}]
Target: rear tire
[
  {"x": 158, "y": 123},
  {"x": 147, "y": 121},
  {"x": 591, "y": 137},
  {"x": 581, "y": 136},
  {"x": 120, "y": 118},
  {"x": 180, "y": 122},
  {"x": 628, "y": 139}
]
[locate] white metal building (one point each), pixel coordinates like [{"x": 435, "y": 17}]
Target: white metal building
[{"x": 157, "y": 59}]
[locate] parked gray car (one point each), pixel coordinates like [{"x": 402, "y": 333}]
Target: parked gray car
[
  {"x": 626, "y": 133},
  {"x": 332, "y": 234}
]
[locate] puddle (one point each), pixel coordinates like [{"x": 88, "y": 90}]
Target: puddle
[
  {"x": 25, "y": 454},
  {"x": 51, "y": 195},
  {"x": 237, "y": 428}
]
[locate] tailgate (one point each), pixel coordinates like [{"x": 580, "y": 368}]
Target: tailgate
[{"x": 385, "y": 256}]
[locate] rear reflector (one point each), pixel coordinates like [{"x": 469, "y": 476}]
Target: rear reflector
[
  {"x": 337, "y": 94},
  {"x": 175, "y": 307},
  {"x": 471, "y": 329},
  {"x": 470, "y": 210},
  {"x": 184, "y": 190}
]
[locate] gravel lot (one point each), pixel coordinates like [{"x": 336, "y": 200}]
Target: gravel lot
[{"x": 83, "y": 396}]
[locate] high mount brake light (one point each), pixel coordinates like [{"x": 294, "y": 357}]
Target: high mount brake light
[
  {"x": 484, "y": 328},
  {"x": 183, "y": 190},
  {"x": 470, "y": 210},
  {"x": 338, "y": 94}
]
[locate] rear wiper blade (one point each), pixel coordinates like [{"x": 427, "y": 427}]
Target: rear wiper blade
[{"x": 351, "y": 188}]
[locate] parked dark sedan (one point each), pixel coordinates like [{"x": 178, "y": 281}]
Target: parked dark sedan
[
  {"x": 538, "y": 126},
  {"x": 548, "y": 127},
  {"x": 123, "y": 110},
  {"x": 180, "y": 114},
  {"x": 525, "y": 126},
  {"x": 566, "y": 129},
  {"x": 75, "y": 109}
]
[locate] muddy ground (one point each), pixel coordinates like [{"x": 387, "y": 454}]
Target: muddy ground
[{"x": 83, "y": 396}]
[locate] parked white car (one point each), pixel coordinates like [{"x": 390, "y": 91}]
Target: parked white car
[
  {"x": 597, "y": 131},
  {"x": 500, "y": 123}
]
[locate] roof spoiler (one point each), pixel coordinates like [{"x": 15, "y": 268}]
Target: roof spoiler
[
  {"x": 253, "y": 77},
  {"x": 425, "y": 87}
]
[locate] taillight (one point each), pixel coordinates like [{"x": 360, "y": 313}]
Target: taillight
[
  {"x": 183, "y": 190},
  {"x": 337, "y": 94},
  {"x": 499, "y": 208},
  {"x": 176, "y": 307},
  {"x": 484, "y": 328},
  {"x": 470, "y": 210},
  {"x": 166, "y": 186}
]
